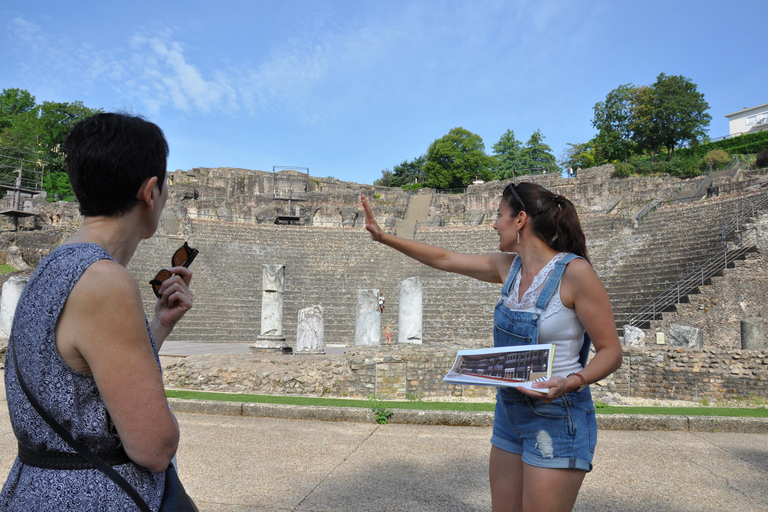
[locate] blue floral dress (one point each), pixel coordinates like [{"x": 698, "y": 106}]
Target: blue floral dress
[{"x": 70, "y": 397}]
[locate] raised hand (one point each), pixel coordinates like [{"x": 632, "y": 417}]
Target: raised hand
[
  {"x": 176, "y": 300},
  {"x": 370, "y": 223}
]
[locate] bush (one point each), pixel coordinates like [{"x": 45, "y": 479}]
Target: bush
[
  {"x": 623, "y": 169},
  {"x": 747, "y": 143},
  {"x": 717, "y": 158},
  {"x": 643, "y": 166},
  {"x": 684, "y": 167},
  {"x": 761, "y": 161}
]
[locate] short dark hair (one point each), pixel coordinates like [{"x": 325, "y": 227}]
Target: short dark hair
[{"x": 109, "y": 156}]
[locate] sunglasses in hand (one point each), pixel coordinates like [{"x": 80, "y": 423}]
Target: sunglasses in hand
[{"x": 183, "y": 257}]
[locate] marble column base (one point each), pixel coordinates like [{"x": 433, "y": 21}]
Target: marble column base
[{"x": 270, "y": 344}]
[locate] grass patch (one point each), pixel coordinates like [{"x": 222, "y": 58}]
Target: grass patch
[
  {"x": 739, "y": 412},
  {"x": 328, "y": 402},
  {"x": 453, "y": 406},
  {"x": 6, "y": 269}
]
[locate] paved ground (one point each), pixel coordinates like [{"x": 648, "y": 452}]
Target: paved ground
[
  {"x": 242, "y": 463},
  {"x": 265, "y": 464}
]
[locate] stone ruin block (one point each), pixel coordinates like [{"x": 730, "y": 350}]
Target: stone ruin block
[
  {"x": 310, "y": 333},
  {"x": 685, "y": 336},
  {"x": 753, "y": 334},
  {"x": 633, "y": 336},
  {"x": 410, "y": 306},
  {"x": 12, "y": 289},
  {"x": 368, "y": 318}
]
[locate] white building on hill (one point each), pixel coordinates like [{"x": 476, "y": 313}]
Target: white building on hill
[{"x": 748, "y": 120}]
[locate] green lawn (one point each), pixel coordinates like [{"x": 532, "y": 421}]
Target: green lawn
[{"x": 454, "y": 406}]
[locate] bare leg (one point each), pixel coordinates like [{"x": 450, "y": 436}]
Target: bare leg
[
  {"x": 550, "y": 490},
  {"x": 518, "y": 487},
  {"x": 506, "y": 476}
]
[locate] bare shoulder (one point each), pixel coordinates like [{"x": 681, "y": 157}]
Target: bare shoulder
[
  {"x": 503, "y": 263},
  {"x": 104, "y": 306},
  {"x": 580, "y": 281},
  {"x": 579, "y": 268},
  {"x": 106, "y": 280}
]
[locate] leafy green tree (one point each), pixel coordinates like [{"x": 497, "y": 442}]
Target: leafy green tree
[
  {"x": 612, "y": 119},
  {"x": 409, "y": 172},
  {"x": 14, "y": 102},
  {"x": 57, "y": 185},
  {"x": 646, "y": 132},
  {"x": 384, "y": 181},
  {"x": 670, "y": 112},
  {"x": 37, "y": 133},
  {"x": 578, "y": 155},
  {"x": 507, "y": 155},
  {"x": 456, "y": 159},
  {"x": 536, "y": 156}
]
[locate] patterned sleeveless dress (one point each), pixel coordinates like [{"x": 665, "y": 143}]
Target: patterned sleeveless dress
[{"x": 70, "y": 397}]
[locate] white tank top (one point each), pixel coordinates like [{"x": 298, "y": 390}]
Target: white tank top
[{"x": 558, "y": 324}]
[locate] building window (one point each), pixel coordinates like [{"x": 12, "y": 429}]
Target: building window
[{"x": 758, "y": 119}]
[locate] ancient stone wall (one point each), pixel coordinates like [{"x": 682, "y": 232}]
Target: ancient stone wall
[
  {"x": 391, "y": 371},
  {"x": 718, "y": 308}
]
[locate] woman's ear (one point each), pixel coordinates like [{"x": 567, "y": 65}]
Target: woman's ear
[
  {"x": 522, "y": 217},
  {"x": 149, "y": 192}
]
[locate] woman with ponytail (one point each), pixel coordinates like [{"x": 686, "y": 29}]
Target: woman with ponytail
[{"x": 542, "y": 442}]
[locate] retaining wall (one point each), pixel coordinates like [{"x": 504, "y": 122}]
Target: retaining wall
[{"x": 392, "y": 371}]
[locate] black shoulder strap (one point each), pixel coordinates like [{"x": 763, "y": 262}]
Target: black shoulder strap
[{"x": 81, "y": 449}]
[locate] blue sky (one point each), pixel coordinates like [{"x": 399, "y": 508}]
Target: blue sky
[{"x": 348, "y": 88}]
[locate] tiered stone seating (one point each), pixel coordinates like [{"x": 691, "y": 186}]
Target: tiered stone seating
[
  {"x": 327, "y": 266},
  {"x": 667, "y": 246}
]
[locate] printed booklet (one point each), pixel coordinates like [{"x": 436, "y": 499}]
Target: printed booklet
[{"x": 518, "y": 366}]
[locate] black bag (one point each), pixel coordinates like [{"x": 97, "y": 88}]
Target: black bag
[{"x": 175, "y": 498}]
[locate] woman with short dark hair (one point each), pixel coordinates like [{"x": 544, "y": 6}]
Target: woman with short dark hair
[
  {"x": 82, "y": 342},
  {"x": 542, "y": 442}
]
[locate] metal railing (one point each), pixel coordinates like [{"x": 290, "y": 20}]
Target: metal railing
[
  {"x": 21, "y": 172},
  {"x": 733, "y": 167},
  {"x": 731, "y": 228},
  {"x": 648, "y": 209}
]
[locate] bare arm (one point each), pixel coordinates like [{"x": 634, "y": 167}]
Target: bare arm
[
  {"x": 102, "y": 331},
  {"x": 492, "y": 268}
]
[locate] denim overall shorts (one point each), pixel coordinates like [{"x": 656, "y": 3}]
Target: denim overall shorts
[{"x": 561, "y": 434}]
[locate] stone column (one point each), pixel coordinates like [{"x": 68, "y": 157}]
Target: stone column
[
  {"x": 368, "y": 318},
  {"x": 409, "y": 317},
  {"x": 12, "y": 289},
  {"x": 752, "y": 333},
  {"x": 271, "y": 337},
  {"x": 310, "y": 333}
]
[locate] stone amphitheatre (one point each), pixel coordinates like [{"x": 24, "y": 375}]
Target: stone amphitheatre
[{"x": 674, "y": 254}]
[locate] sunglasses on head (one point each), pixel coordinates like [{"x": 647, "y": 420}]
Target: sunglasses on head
[
  {"x": 183, "y": 257},
  {"x": 511, "y": 188}
]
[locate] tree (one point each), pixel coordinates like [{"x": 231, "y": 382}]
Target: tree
[
  {"x": 38, "y": 132},
  {"x": 613, "y": 118},
  {"x": 507, "y": 155},
  {"x": 578, "y": 155},
  {"x": 456, "y": 159},
  {"x": 384, "y": 181},
  {"x": 668, "y": 113},
  {"x": 14, "y": 102},
  {"x": 409, "y": 172},
  {"x": 644, "y": 125},
  {"x": 536, "y": 155}
]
